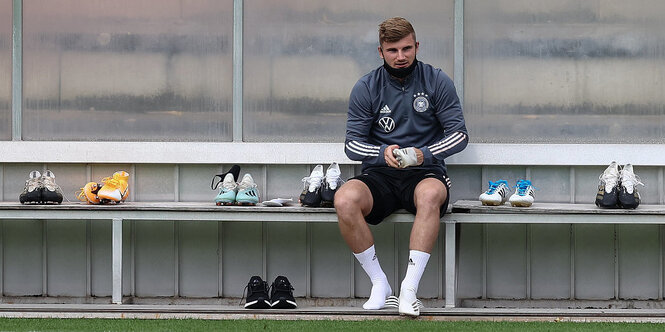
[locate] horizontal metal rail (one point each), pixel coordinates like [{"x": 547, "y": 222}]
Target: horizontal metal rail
[{"x": 270, "y": 153}]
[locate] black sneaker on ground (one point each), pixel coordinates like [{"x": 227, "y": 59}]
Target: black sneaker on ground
[
  {"x": 629, "y": 198},
  {"x": 608, "y": 187},
  {"x": 281, "y": 294},
  {"x": 32, "y": 192},
  {"x": 257, "y": 294}
]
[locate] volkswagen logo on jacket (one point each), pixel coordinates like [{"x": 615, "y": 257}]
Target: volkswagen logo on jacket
[{"x": 387, "y": 123}]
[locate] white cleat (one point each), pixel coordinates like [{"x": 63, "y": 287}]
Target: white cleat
[
  {"x": 408, "y": 303},
  {"x": 496, "y": 194},
  {"x": 377, "y": 299},
  {"x": 392, "y": 302}
]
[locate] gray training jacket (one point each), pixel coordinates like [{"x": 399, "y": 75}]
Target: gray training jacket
[{"x": 423, "y": 112}]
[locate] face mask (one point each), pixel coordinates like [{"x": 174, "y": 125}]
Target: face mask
[{"x": 400, "y": 72}]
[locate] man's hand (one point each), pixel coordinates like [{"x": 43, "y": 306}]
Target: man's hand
[
  {"x": 408, "y": 157},
  {"x": 389, "y": 156}
]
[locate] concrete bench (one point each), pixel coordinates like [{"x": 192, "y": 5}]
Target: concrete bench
[
  {"x": 473, "y": 212},
  {"x": 168, "y": 211}
]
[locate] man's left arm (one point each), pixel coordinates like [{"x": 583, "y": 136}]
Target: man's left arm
[{"x": 449, "y": 113}]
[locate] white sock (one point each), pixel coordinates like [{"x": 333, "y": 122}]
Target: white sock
[
  {"x": 414, "y": 271},
  {"x": 380, "y": 286}
]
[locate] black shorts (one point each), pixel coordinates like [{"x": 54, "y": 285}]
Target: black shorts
[{"x": 393, "y": 189}]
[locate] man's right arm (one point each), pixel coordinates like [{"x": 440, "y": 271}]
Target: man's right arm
[{"x": 358, "y": 126}]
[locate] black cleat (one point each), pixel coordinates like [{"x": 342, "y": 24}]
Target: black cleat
[
  {"x": 608, "y": 188},
  {"x": 257, "y": 294},
  {"x": 311, "y": 194},
  {"x": 51, "y": 192},
  {"x": 281, "y": 294},
  {"x": 331, "y": 183},
  {"x": 32, "y": 192},
  {"x": 629, "y": 198}
]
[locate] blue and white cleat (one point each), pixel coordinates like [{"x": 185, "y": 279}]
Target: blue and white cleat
[
  {"x": 496, "y": 194},
  {"x": 524, "y": 194}
]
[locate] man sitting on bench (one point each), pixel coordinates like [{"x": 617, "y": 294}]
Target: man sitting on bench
[{"x": 404, "y": 118}]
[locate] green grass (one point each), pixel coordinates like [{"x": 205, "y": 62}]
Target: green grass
[{"x": 37, "y": 324}]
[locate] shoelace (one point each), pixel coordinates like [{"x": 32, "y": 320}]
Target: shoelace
[
  {"x": 228, "y": 185},
  {"x": 33, "y": 182},
  {"x": 245, "y": 291},
  {"x": 630, "y": 180},
  {"x": 81, "y": 195},
  {"x": 244, "y": 294},
  {"x": 610, "y": 177},
  {"x": 493, "y": 186},
  {"x": 314, "y": 182},
  {"x": 243, "y": 185},
  {"x": 283, "y": 286},
  {"x": 333, "y": 179},
  {"x": 111, "y": 181},
  {"x": 522, "y": 186}
]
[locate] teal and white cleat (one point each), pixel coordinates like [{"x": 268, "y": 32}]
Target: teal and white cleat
[
  {"x": 248, "y": 192},
  {"x": 227, "y": 193}
]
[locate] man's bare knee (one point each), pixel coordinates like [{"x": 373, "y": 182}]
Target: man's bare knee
[
  {"x": 430, "y": 193},
  {"x": 351, "y": 199}
]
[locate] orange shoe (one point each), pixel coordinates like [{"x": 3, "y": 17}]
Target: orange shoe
[
  {"x": 89, "y": 193},
  {"x": 115, "y": 189}
]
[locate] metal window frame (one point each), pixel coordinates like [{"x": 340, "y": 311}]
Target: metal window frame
[
  {"x": 20, "y": 151},
  {"x": 17, "y": 68}
]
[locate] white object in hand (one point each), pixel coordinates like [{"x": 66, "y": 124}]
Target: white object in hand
[{"x": 406, "y": 157}]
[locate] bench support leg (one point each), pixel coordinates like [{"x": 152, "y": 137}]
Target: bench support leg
[
  {"x": 451, "y": 283},
  {"x": 116, "y": 255}
]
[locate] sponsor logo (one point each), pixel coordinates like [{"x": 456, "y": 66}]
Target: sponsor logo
[
  {"x": 411, "y": 262},
  {"x": 420, "y": 102},
  {"x": 385, "y": 109},
  {"x": 387, "y": 123}
]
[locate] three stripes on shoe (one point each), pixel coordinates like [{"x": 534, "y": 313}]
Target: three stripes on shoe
[{"x": 393, "y": 302}]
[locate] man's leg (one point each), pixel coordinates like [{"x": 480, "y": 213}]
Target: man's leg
[
  {"x": 429, "y": 195},
  {"x": 353, "y": 201}
]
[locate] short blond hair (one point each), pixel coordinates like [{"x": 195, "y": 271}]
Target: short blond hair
[{"x": 394, "y": 29}]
